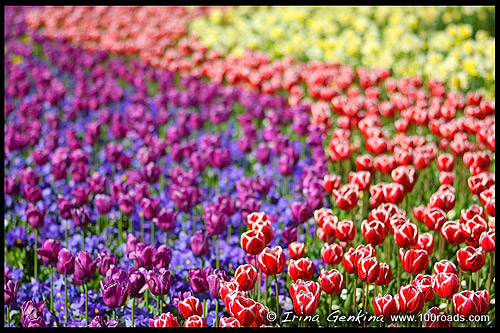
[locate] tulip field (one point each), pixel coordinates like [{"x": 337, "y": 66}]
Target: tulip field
[{"x": 249, "y": 166}]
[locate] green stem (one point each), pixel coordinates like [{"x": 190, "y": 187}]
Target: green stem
[
  {"x": 354, "y": 294},
  {"x": 152, "y": 233},
  {"x": 217, "y": 263},
  {"x": 65, "y": 300},
  {"x": 35, "y": 254},
  {"x": 277, "y": 299},
  {"x": 83, "y": 239},
  {"x": 477, "y": 280},
  {"x": 52, "y": 289},
  {"x": 114, "y": 314},
  {"x": 216, "y": 312},
  {"x": 133, "y": 311},
  {"x": 8, "y": 316},
  {"x": 470, "y": 282},
  {"x": 492, "y": 254},
  {"x": 204, "y": 305},
  {"x": 86, "y": 305}
]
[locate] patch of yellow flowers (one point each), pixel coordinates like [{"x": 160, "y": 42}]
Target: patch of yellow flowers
[{"x": 444, "y": 43}]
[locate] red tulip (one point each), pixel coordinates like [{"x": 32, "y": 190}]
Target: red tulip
[
  {"x": 261, "y": 319},
  {"x": 445, "y": 266},
  {"x": 406, "y": 235},
  {"x": 253, "y": 242},
  {"x": 425, "y": 242},
  {"x": 347, "y": 196},
  {"x": 332, "y": 282},
  {"x": 255, "y": 217},
  {"x": 229, "y": 322},
  {"x": 246, "y": 276},
  {"x": 195, "y": 321},
  {"x": 364, "y": 162},
  {"x": 469, "y": 213},
  {"x": 406, "y": 176},
  {"x": 320, "y": 214},
  {"x": 272, "y": 261},
  {"x": 331, "y": 182},
  {"x": 190, "y": 306},
  {"x": 452, "y": 232},
  {"x": 331, "y": 254},
  {"x": 384, "y": 306},
  {"x": 434, "y": 218},
  {"x": 329, "y": 225},
  {"x": 361, "y": 178},
  {"x": 368, "y": 269},
  {"x": 466, "y": 304},
  {"x": 228, "y": 289},
  {"x": 446, "y": 178},
  {"x": 243, "y": 309},
  {"x": 414, "y": 261},
  {"x": 301, "y": 269},
  {"x": 374, "y": 231},
  {"x": 411, "y": 299},
  {"x": 445, "y": 162},
  {"x": 164, "y": 320},
  {"x": 264, "y": 226},
  {"x": 296, "y": 250},
  {"x": 483, "y": 301},
  {"x": 352, "y": 257},
  {"x": 424, "y": 284},
  {"x": 446, "y": 284},
  {"x": 487, "y": 241},
  {"x": 305, "y": 297},
  {"x": 384, "y": 274},
  {"x": 437, "y": 318},
  {"x": 472, "y": 230},
  {"x": 345, "y": 230},
  {"x": 470, "y": 259}
]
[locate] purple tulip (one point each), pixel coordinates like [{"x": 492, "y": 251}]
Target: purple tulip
[
  {"x": 65, "y": 262},
  {"x": 199, "y": 244},
  {"x": 214, "y": 282},
  {"x": 32, "y": 193},
  {"x": 104, "y": 203},
  {"x": 227, "y": 205},
  {"x": 97, "y": 183},
  {"x": 163, "y": 257},
  {"x": 166, "y": 220},
  {"x": 180, "y": 297},
  {"x": 35, "y": 216},
  {"x": 158, "y": 280},
  {"x": 301, "y": 211},
  {"x": 81, "y": 194},
  {"x": 137, "y": 283},
  {"x": 126, "y": 205},
  {"x": 150, "y": 207},
  {"x": 221, "y": 158},
  {"x": 139, "y": 191},
  {"x": 198, "y": 279},
  {"x": 49, "y": 251},
  {"x": 262, "y": 185},
  {"x": 28, "y": 177},
  {"x": 114, "y": 291},
  {"x": 249, "y": 205},
  {"x": 64, "y": 205},
  {"x": 10, "y": 185},
  {"x": 32, "y": 314},
  {"x": 144, "y": 255},
  {"x": 132, "y": 242},
  {"x": 80, "y": 216},
  {"x": 99, "y": 321},
  {"x": 215, "y": 220},
  {"x": 85, "y": 267},
  {"x": 79, "y": 172},
  {"x": 152, "y": 173},
  {"x": 92, "y": 132},
  {"x": 9, "y": 291},
  {"x": 263, "y": 153},
  {"x": 106, "y": 260},
  {"x": 41, "y": 156}
]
